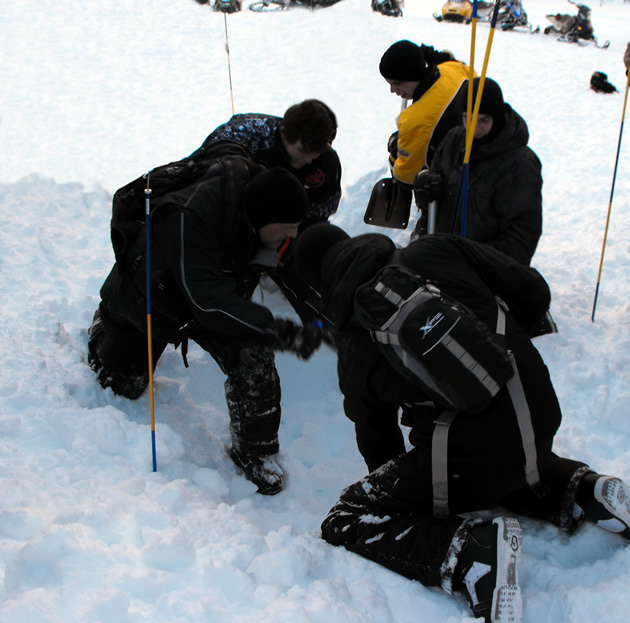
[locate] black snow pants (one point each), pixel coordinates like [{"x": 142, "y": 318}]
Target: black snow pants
[
  {"x": 387, "y": 516},
  {"x": 252, "y": 385}
]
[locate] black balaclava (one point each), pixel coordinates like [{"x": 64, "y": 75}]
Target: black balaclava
[{"x": 310, "y": 248}]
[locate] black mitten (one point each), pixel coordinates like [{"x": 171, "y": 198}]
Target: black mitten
[{"x": 427, "y": 187}]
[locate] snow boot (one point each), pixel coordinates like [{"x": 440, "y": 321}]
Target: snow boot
[
  {"x": 544, "y": 326},
  {"x": 129, "y": 386},
  {"x": 390, "y": 8},
  {"x": 606, "y": 502},
  {"x": 263, "y": 471},
  {"x": 487, "y": 570}
]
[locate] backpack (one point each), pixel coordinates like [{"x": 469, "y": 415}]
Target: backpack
[
  {"x": 433, "y": 340},
  {"x": 129, "y": 202},
  {"x": 600, "y": 84}
]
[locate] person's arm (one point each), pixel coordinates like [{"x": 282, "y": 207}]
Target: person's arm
[
  {"x": 193, "y": 247},
  {"x": 517, "y": 202},
  {"x": 413, "y": 138},
  {"x": 372, "y": 392},
  {"x": 322, "y": 182}
]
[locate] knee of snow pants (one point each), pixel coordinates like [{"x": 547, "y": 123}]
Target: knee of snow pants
[
  {"x": 252, "y": 392},
  {"x": 373, "y": 519},
  {"x": 123, "y": 349},
  {"x": 561, "y": 478}
]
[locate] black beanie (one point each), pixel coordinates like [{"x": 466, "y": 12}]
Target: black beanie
[
  {"x": 275, "y": 196},
  {"x": 403, "y": 61},
  {"x": 492, "y": 103},
  {"x": 310, "y": 248}
]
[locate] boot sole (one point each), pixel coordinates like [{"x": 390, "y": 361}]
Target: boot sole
[
  {"x": 614, "y": 496},
  {"x": 507, "y": 601}
]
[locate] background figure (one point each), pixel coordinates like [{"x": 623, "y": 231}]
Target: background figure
[
  {"x": 626, "y": 57},
  {"x": 476, "y": 461},
  {"x": 211, "y": 241},
  {"x": 431, "y": 80},
  {"x": 300, "y": 142},
  {"x": 504, "y": 208}
]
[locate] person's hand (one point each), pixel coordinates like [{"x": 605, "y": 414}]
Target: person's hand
[
  {"x": 300, "y": 340},
  {"x": 626, "y": 57},
  {"x": 392, "y": 146},
  {"x": 427, "y": 187}
]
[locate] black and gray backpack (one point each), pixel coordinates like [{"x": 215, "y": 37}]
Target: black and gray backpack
[{"x": 433, "y": 340}]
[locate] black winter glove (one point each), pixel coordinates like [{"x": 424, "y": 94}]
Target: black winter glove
[
  {"x": 392, "y": 147},
  {"x": 427, "y": 187},
  {"x": 300, "y": 340}
]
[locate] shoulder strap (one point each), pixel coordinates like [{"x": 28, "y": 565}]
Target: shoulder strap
[
  {"x": 439, "y": 463},
  {"x": 523, "y": 414},
  {"x": 439, "y": 441}
]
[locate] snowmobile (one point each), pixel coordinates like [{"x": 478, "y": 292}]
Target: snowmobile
[
  {"x": 460, "y": 11},
  {"x": 264, "y": 6},
  {"x": 390, "y": 8},
  {"x": 574, "y": 28},
  {"x": 227, "y": 6},
  {"x": 512, "y": 16}
]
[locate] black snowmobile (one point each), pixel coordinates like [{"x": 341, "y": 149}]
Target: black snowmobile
[
  {"x": 574, "y": 28},
  {"x": 225, "y": 6},
  {"x": 263, "y": 6}
]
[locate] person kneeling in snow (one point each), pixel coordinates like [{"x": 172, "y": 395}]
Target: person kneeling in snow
[
  {"x": 211, "y": 241},
  {"x": 407, "y": 513}
]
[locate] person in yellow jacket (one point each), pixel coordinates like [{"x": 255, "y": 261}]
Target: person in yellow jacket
[{"x": 432, "y": 80}]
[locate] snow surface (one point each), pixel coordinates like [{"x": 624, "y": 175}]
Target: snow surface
[{"x": 94, "y": 94}]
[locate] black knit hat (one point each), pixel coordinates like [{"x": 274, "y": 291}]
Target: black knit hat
[
  {"x": 492, "y": 103},
  {"x": 275, "y": 196},
  {"x": 403, "y": 61},
  {"x": 310, "y": 248}
]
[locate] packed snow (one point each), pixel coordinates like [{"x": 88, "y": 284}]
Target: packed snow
[{"x": 95, "y": 94}]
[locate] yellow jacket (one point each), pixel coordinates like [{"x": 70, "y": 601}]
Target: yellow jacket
[{"x": 424, "y": 123}]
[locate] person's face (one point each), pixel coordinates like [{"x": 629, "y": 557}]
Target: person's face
[
  {"x": 273, "y": 235},
  {"x": 483, "y": 127},
  {"x": 298, "y": 155},
  {"x": 403, "y": 88}
]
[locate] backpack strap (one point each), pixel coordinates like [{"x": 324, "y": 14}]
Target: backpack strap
[
  {"x": 523, "y": 414},
  {"x": 439, "y": 440},
  {"x": 439, "y": 463}
]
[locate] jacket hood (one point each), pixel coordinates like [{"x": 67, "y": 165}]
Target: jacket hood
[
  {"x": 347, "y": 265},
  {"x": 513, "y": 135}
]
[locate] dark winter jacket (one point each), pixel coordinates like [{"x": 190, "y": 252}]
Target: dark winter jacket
[
  {"x": 260, "y": 133},
  {"x": 504, "y": 193},
  {"x": 485, "y": 450},
  {"x": 202, "y": 263}
]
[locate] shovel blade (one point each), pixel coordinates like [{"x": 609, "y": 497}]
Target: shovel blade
[{"x": 389, "y": 205}]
